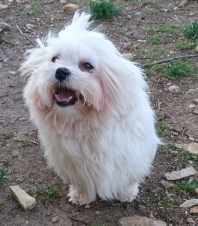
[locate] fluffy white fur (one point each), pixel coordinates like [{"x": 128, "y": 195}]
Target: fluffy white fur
[{"x": 103, "y": 144}]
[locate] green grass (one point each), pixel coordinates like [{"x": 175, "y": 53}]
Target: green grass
[
  {"x": 3, "y": 173},
  {"x": 18, "y": 12},
  {"x": 186, "y": 186},
  {"x": 178, "y": 69},
  {"x": 191, "y": 31},
  {"x": 50, "y": 193},
  {"x": 184, "y": 45},
  {"x": 155, "y": 40},
  {"x": 163, "y": 129},
  {"x": 169, "y": 28},
  {"x": 36, "y": 9},
  {"x": 153, "y": 197},
  {"x": 150, "y": 30},
  {"x": 186, "y": 156},
  {"x": 104, "y": 9}
]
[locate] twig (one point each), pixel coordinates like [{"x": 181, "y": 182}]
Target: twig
[
  {"x": 24, "y": 35},
  {"x": 5, "y": 95},
  {"x": 169, "y": 59},
  {"x": 72, "y": 218},
  {"x": 4, "y": 50}
]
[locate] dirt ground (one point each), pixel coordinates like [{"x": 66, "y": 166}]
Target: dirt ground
[{"x": 20, "y": 152}]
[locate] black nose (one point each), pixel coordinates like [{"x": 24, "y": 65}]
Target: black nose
[{"x": 62, "y": 73}]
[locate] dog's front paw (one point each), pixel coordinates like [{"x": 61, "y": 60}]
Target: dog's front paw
[
  {"x": 77, "y": 196},
  {"x": 130, "y": 194}
]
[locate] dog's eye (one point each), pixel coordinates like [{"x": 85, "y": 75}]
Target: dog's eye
[
  {"x": 87, "y": 66},
  {"x": 55, "y": 58}
]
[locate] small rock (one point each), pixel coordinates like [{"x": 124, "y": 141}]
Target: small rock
[
  {"x": 28, "y": 6},
  {"x": 196, "y": 112},
  {"x": 167, "y": 184},
  {"x": 140, "y": 221},
  {"x": 97, "y": 212},
  {"x": 171, "y": 185},
  {"x": 196, "y": 49},
  {"x": 4, "y": 26},
  {"x": 177, "y": 129},
  {"x": 3, "y": 6},
  {"x": 30, "y": 26},
  {"x": 191, "y": 147},
  {"x": 176, "y": 175},
  {"x": 183, "y": 3},
  {"x": 191, "y": 138},
  {"x": 55, "y": 219},
  {"x": 142, "y": 208},
  {"x": 164, "y": 183},
  {"x": 196, "y": 191},
  {"x": 194, "y": 210},
  {"x": 87, "y": 206},
  {"x": 127, "y": 56},
  {"x": 175, "y": 133},
  {"x": 191, "y": 106},
  {"x": 190, "y": 221},
  {"x": 189, "y": 203},
  {"x": 26, "y": 201},
  {"x": 195, "y": 101},
  {"x": 70, "y": 8},
  {"x": 173, "y": 88}
]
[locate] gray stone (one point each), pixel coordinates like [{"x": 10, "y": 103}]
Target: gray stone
[
  {"x": 191, "y": 147},
  {"x": 196, "y": 112},
  {"x": 26, "y": 201},
  {"x": 176, "y": 175},
  {"x": 173, "y": 88},
  {"x": 195, "y": 101},
  {"x": 140, "y": 221},
  {"x": 189, "y": 203},
  {"x": 190, "y": 221}
]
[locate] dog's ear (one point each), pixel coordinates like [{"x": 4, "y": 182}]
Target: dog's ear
[{"x": 33, "y": 58}]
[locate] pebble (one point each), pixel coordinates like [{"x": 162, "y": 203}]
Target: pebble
[
  {"x": 55, "y": 219},
  {"x": 176, "y": 175},
  {"x": 177, "y": 129},
  {"x": 127, "y": 56},
  {"x": 196, "y": 191},
  {"x": 4, "y": 26},
  {"x": 191, "y": 147},
  {"x": 195, "y": 101},
  {"x": 97, "y": 212},
  {"x": 70, "y": 8},
  {"x": 138, "y": 220},
  {"x": 194, "y": 210},
  {"x": 3, "y": 6},
  {"x": 87, "y": 206},
  {"x": 26, "y": 201},
  {"x": 175, "y": 133},
  {"x": 190, "y": 221},
  {"x": 189, "y": 203},
  {"x": 196, "y": 112},
  {"x": 192, "y": 106},
  {"x": 173, "y": 88}
]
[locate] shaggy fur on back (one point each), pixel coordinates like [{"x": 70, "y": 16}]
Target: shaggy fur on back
[{"x": 105, "y": 142}]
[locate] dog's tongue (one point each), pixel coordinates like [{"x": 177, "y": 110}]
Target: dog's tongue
[{"x": 64, "y": 95}]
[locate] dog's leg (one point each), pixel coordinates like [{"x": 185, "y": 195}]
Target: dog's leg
[
  {"x": 77, "y": 196},
  {"x": 130, "y": 194}
]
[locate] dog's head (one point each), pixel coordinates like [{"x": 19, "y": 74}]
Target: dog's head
[{"x": 76, "y": 70}]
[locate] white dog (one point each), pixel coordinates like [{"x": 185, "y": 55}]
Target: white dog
[{"x": 92, "y": 112}]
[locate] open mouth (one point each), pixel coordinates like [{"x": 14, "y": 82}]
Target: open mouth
[{"x": 65, "y": 97}]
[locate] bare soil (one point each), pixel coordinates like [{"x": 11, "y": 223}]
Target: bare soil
[{"x": 20, "y": 151}]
